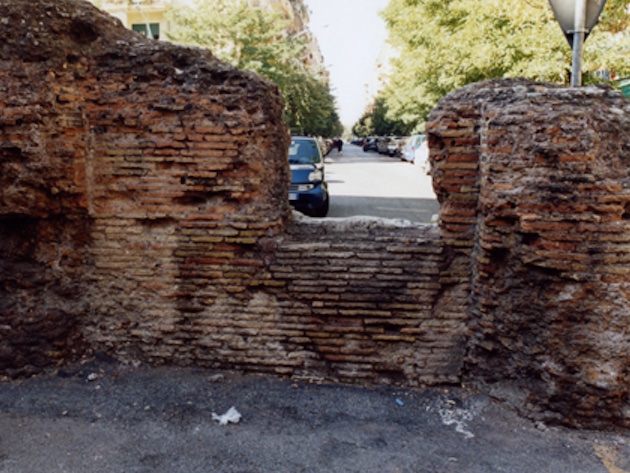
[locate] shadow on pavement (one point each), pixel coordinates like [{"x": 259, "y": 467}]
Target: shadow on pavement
[{"x": 414, "y": 209}]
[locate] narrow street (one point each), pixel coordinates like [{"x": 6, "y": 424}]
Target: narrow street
[{"x": 370, "y": 184}]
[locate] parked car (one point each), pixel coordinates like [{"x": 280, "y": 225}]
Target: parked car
[
  {"x": 325, "y": 145},
  {"x": 308, "y": 192},
  {"x": 422, "y": 156},
  {"x": 394, "y": 147},
  {"x": 409, "y": 149},
  {"x": 416, "y": 150},
  {"x": 370, "y": 144},
  {"x": 383, "y": 144}
]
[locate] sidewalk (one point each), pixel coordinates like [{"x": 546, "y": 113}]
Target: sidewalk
[{"x": 105, "y": 417}]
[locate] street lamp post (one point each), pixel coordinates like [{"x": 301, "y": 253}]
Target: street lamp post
[
  {"x": 577, "y": 18},
  {"x": 578, "y": 42}
]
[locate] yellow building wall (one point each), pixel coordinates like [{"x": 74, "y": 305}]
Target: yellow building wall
[{"x": 146, "y": 14}]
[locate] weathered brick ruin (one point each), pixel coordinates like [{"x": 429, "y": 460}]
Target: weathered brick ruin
[
  {"x": 129, "y": 168},
  {"x": 144, "y": 214},
  {"x": 535, "y": 190}
]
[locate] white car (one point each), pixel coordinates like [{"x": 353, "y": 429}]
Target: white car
[{"x": 416, "y": 150}]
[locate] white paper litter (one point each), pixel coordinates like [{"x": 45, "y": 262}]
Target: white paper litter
[
  {"x": 232, "y": 415},
  {"x": 459, "y": 417},
  {"x": 92, "y": 377}
]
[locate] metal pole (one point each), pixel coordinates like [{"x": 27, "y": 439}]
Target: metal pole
[{"x": 578, "y": 42}]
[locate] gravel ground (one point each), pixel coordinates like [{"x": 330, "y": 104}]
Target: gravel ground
[{"x": 101, "y": 416}]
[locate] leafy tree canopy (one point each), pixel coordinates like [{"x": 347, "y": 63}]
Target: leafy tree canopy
[
  {"x": 258, "y": 40},
  {"x": 377, "y": 122},
  {"x": 446, "y": 44}
]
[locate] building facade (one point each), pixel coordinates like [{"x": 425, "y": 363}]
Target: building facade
[
  {"x": 144, "y": 16},
  {"x": 150, "y": 18}
]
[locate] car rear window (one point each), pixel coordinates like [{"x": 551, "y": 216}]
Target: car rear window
[{"x": 304, "y": 152}]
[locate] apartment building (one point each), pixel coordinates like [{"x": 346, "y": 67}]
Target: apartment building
[
  {"x": 298, "y": 14},
  {"x": 145, "y": 16},
  {"x": 149, "y": 17}
]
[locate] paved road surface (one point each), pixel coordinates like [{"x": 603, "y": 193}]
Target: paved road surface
[
  {"x": 101, "y": 417},
  {"x": 379, "y": 186}
]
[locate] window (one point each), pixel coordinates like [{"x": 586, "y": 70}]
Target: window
[{"x": 142, "y": 28}]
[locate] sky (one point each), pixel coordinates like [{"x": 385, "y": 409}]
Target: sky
[{"x": 350, "y": 34}]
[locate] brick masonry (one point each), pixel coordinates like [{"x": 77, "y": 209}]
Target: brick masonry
[
  {"x": 144, "y": 214},
  {"x": 361, "y": 295},
  {"x": 146, "y": 187},
  {"x": 129, "y": 168},
  {"x": 545, "y": 227}
]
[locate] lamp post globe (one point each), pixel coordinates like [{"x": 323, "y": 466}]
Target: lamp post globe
[{"x": 577, "y": 18}]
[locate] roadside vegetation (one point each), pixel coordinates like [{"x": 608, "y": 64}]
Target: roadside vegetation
[
  {"x": 260, "y": 41},
  {"x": 446, "y": 44}
]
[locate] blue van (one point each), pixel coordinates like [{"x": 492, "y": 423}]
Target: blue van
[{"x": 308, "y": 192}]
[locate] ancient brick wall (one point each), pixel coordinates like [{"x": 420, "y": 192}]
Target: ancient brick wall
[
  {"x": 144, "y": 213},
  {"x": 362, "y": 296},
  {"x": 348, "y": 300},
  {"x": 125, "y": 164},
  {"x": 549, "y": 258}
]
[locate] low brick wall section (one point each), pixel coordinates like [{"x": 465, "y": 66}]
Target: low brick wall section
[
  {"x": 361, "y": 296},
  {"x": 343, "y": 300}
]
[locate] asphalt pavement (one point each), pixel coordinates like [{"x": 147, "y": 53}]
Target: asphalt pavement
[
  {"x": 369, "y": 184},
  {"x": 102, "y": 416}
]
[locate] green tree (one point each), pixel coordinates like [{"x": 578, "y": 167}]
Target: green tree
[
  {"x": 446, "y": 44},
  {"x": 258, "y": 40},
  {"x": 310, "y": 108},
  {"x": 378, "y": 121},
  {"x": 364, "y": 126}
]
